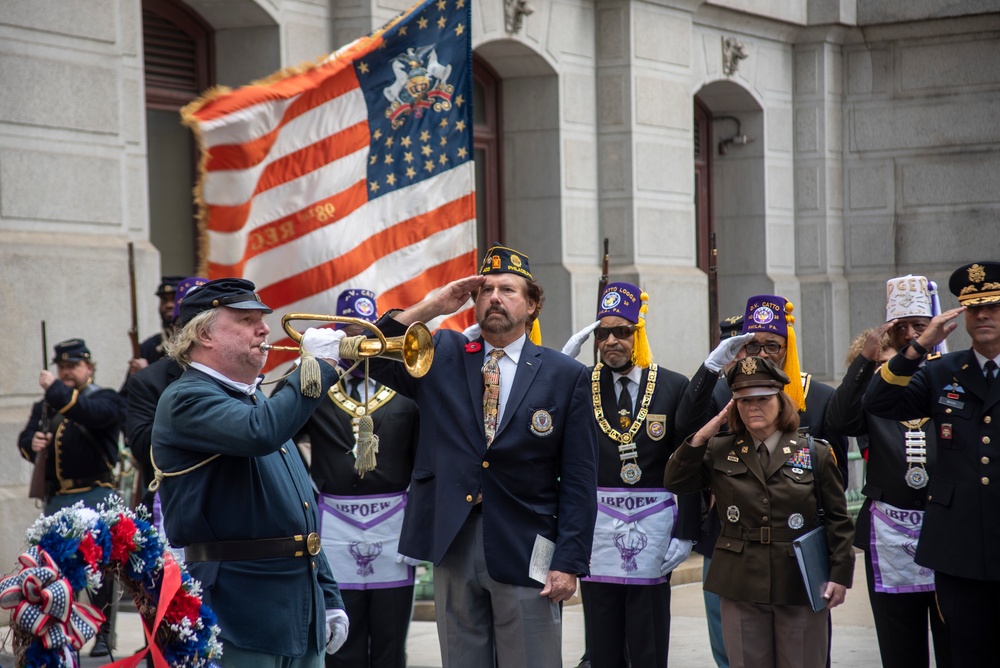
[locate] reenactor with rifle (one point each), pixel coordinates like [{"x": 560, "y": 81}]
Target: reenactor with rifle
[{"x": 79, "y": 446}]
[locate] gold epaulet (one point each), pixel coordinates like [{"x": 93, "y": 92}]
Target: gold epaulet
[{"x": 933, "y": 356}]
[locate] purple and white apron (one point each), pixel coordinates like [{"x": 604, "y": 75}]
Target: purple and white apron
[
  {"x": 631, "y": 535},
  {"x": 894, "y": 536},
  {"x": 360, "y": 535}
]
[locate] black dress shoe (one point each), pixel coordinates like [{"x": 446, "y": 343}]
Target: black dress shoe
[{"x": 100, "y": 646}]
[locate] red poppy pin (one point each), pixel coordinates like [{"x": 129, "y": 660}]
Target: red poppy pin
[{"x": 473, "y": 347}]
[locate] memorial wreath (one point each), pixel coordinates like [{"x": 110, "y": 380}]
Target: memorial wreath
[{"x": 76, "y": 549}]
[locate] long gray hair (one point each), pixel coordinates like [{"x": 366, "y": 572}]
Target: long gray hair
[{"x": 180, "y": 344}]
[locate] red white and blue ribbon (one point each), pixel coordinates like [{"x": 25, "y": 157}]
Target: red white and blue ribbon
[{"x": 42, "y": 600}]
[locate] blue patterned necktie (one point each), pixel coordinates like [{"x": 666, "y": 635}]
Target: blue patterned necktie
[{"x": 491, "y": 397}]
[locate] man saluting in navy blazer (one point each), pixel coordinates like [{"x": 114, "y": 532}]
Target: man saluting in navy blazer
[{"x": 506, "y": 465}]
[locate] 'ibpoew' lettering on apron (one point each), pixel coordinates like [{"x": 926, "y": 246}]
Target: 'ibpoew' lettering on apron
[
  {"x": 631, "y": 535},
  {"x": 360, "y": 535},
  {"x": 894, "y": 537}
]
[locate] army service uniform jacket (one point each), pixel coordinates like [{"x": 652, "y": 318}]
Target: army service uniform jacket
[
  {"x": 961, "y": 532},
  {"x": 757, "y": 506},
  {"x": 539, "y": 476},
  {"x": 256, "y": 488}
]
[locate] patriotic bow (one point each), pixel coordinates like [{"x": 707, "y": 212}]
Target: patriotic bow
[{"x": 43, "y": 603}]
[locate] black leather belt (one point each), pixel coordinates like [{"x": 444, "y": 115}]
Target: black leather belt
[
  {"x": 763, "y": 535},
  {"x": 265, "y": 548}
]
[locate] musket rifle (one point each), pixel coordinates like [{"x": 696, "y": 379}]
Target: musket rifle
[
  {"x": 36, "y": 489},
  {"x": 133, "y": 332},
  {"x": 603, "y": 283},
  {"x": 713, "y": 294}
]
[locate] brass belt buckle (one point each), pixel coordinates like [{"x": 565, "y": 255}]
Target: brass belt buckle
[
  {"x": 313, "y": 544},
  {"x": 765, "y": 535}
]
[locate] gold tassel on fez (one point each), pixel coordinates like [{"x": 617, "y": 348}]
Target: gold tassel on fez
[{"x": 367, "y": 446}]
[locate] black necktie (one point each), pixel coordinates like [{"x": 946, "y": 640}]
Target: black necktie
[
  {"x": 991, "y": 369},
  {"x": 624, "y": 405},
  {"x": 355, "y": 388}
]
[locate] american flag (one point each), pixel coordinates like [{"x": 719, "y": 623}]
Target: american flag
[{"x": 353, "y": 172}]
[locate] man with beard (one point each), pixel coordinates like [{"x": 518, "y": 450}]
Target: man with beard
[
  {"x": 642, "y": 531},
  {"x": 901, "y": 458},
  {"x": 152, "y": 349},
  {"x": 361, "y": 513},
  {"x": 960, "y": 392},
  {"x": 506, "y": 465},
  {"x": 235, "y": 494}
]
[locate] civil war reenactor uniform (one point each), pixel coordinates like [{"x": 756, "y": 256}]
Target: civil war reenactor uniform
[
  {"x": 642, "y": 531},
  {"x": 901, "y": 458},
  {"x": 82, "y": 442},
  {"x": 361, "y": 514},
  {"x": 960, "y": 538}
]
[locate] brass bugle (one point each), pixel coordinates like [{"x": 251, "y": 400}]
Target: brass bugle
[{"x": 414, "y": 349}]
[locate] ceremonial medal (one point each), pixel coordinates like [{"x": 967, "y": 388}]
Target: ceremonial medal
[
  {"x": 627, "y": 452},
  {"x": 796, "y": 521},
  {"x": 733, "y": 514},
  {"x": 656, "y": 426},
  {"x": 631, "y": 473},
  {"x": 916, "y": 453}
]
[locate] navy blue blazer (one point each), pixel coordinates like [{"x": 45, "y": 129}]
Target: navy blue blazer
[
  {"x": 961, "y": 535},
  {"x": 258, "y": 488},
  {"x": 535, "y": 479}
]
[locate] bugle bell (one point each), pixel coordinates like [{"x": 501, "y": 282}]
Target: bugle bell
[{"x": 414, "y": 349}]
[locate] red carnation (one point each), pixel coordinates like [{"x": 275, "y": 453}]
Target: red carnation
[
  {"x": 473, "y": 347},
  {"x": 183, "y": 605},
  {"x": 90, "y": 550},
  {"x": 122, "y": 543}
]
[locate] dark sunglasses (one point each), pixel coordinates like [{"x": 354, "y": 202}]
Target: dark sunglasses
[
  {"x": 620, "y": 332},
  {"x": 771, "y": 347}
]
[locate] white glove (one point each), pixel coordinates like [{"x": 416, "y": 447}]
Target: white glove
[
  {"x": 572, "y": 347},
  {"x": 410, "y": 561},
  {"x": 337, "y": 627},
  {"x": 472, "y": 332},
  {"x": 323, "y": 343},
  {"x": 677, "y": 551},
  {"x": 726, "y": 352}
]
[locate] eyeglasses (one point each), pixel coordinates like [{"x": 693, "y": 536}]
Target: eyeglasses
[
  {"x": 620, "y": 332},
  {"x": 771, "y": 347}
]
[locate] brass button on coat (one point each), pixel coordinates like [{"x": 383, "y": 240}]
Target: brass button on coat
[
  {"x": 486, "y": 465},
  {"x": 468, "y": 498}
]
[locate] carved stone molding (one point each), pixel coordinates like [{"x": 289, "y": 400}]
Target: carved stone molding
[
  {"x": 514, "y": 13},
  {"x": 733, "y": 51}
]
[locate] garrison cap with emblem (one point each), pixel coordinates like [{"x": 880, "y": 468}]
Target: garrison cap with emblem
[
  {"x": 730, "y": 327},
  {"x": 503, "y": 260},
  {"x": 71, "y": 350},
  {"x": 976, "y": 284},
  {"x": 358, "y": 303},
  {"x": 168, "y": 285},
  {"x": 183, "y": 288},
  {"x": 771, "y": 314},
  {"x": 232, "y": 292},
  {"x": 755, "y": 377}
]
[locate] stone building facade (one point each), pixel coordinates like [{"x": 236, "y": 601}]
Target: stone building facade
[{"x": 827, "y": 144}]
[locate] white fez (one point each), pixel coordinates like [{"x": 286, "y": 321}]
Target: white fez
[{"x": 907, "y": 297}]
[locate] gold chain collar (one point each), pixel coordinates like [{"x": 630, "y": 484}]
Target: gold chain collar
[
  {"x": 338, "y": 395},
  {"x": 602, "y": 422}
]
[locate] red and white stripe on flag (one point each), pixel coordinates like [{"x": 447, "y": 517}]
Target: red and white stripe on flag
[{"x": 353, "y": 172}]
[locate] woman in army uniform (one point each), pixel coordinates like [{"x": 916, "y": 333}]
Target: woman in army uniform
[{"x": 764, "y": 480}]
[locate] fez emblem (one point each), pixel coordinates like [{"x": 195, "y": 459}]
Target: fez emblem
[
  {"x": 796, "y": 521},
  {"x": 541, "y": 423},
  {"x": 364, "y": 307},
  {"x": 763, "y": 315},
  {"x": 977, "y": 273},
  {"x": 611, "y": 300},
  {"x": 733, "y": 514},
  {"x": 748, "y": 366}
]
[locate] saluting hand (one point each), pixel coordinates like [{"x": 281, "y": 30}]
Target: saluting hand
[
  {"x": 873, "y": 342},
  {"x": 711, "y": 428},
  {"x": 445, "y": 301},
  {"x": 938, "y": 329}
]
